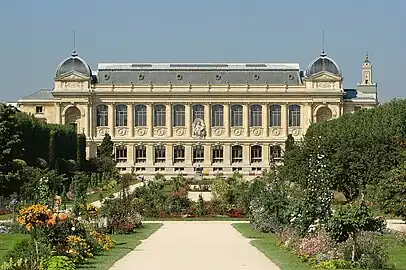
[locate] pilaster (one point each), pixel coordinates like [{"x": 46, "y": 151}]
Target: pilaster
[
  {"x": 265, "y": 154},
  {"x": 58, "y": 113},
  {"x": 265, "y": 120},
  {"x": 130, "y": 154},
  {"x": 246, "y": 115},
  {"x": 227, "y": 154},
  {"x": 188, "y": 155},
  {"x": 169, "y": 119},
  {"x": 150, "y": 154},
  {"x": 87, "y": 120},
  {"x": 150, "y": 119},
  {"x": 246, "y": 153},
  {"x": 207, "y": 117},
  {"x": 130, "y": 122},
  {"x": 207, "y": 155},
  {"x": 284, "y": 119},
  {"x": 188, "y": 117},
  {"x": 112, "y": 118},
  {"x": 91, "y": 120},
  {"x": 169, "y": 154},
  {"x": 227, "y": 119}
]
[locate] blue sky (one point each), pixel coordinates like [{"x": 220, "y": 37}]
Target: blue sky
[{"x": 36, "y": 35}]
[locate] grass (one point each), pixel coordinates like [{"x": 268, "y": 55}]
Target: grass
[
  {"x": 268, "y": 244},
  {"x": 125, "y": 244},
  {"x": 8, "y": 241},
  {"x": 396, "y": 251},
  {"x": 6, "y": 216}
]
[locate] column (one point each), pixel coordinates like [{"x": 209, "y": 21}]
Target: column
[
  {"x": 188, "y": 118},
  {"x": 207, "y": 117},
  {"x": 169, "y": 154},
  {"x": 265, "y": 154},
  {"x": 227, "y": 154},
  {"x": 112, "y": 118},
  {"x": 130, "y": 154},
  {"x": 150, "y": 154},
  {"x": 169, "y": 119},
  {"x": 309, "y": 112},
  {"x": 246, "y": 153},
  {"x": 188, "y": 155},
  {"x": 130, "y": 120},
  {"x": 87, "y": 120},
  {"x": 57, "y": 113},
  {"x": 284, "y": 119},
  {"x": 265, "y": 119},
  {"x": 246, "y": 115},
  {"x": 150, "y": 119},
  {"x": 91, "y": 122},
  {"x": 227, "y": 119}
]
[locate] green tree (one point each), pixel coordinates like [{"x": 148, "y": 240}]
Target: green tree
[
  {"x": 289, "y": 143},
  {"x": 391, "y": 192},
  {"x": 10, "y": 142},
  {"x": 106, "y": 147}
]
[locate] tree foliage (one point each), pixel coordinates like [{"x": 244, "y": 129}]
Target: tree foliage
[{"x": 359, "y": 148}]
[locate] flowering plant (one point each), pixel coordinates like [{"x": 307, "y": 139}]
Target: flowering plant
[
  {"x": 77, "y": 249},
  {"x": 103, "y": 240},
  {"x": 36, "y": 215}
]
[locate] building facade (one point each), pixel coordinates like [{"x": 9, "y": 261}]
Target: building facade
[{"x": 174, "y": 118}]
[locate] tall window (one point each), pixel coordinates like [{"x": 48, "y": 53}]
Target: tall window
[
  {"x": 178, "y": 154},
  {"x": 121, "y": 115},
  {"x": 160, "y": 154},
  {"x": 217, "y": 153},
  {"x": 159, "y": 115},
  {"x": 140, "y": 154},
  {"x": 178, "y": 115},
  {"x": 275, "y": 115},
  {"x": 198, "y": 111},
  {"x": 256, "y": 115},
  {"x": 102, "y": 115},
  {"x": 140, "y": 115},
  {"x": 276, "y": 152},
  {"x": 121, "y": 154},
  {"x": 236, "y": 154},
  {"x": 256, "y": 154},
  {"x": 294, "y": 116},
  {"x": 217, "y": 115},
  {"x": 198, "y": 153},
  {"x": 236, "y": 115}
]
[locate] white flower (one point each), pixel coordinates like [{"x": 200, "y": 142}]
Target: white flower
[{"x": 73, "y": 229}]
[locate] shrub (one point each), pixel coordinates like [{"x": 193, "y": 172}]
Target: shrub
[
  {"x": 312, "y": 245},
  {"x": 220, "y": 190},
  {"x": 334, "y": 264},
  {"x": 77, "y": 248},
  {"x": 289, "y": 238},
  {"x": 104, "y": 241},
  {"x": 27, "y": 250},
  {"x": 370, "y": 252},
  {"x": 59, "y": 263}
]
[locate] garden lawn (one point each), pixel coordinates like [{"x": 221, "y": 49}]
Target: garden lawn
[
  {"x": 125, "y": 244},
  {"x": 6, "y": 217},
  {"x": 268, "y": 244},
  {"x": 204, "y": 218},
  {"x": 8, "y": 241},
  {"x": 396, "y": 252}
]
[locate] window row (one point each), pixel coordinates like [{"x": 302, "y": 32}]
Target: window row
[
  {"x": 217, "y": 115},
  {"x": 217, "y": 154}
]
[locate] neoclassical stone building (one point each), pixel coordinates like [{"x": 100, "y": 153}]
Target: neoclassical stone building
[{"x": 173, "y": 118}]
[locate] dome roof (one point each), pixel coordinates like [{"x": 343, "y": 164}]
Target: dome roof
[
  {"x": 73, "y": 63},
  {"x": 323, "y": 63}
]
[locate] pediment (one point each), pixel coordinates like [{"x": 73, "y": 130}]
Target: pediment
[
  {"x": 325, "y": 77},
  {"x": 72, "y": 76}
]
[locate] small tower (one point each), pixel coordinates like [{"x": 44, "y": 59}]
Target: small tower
[{"x": 366, "y": 72}]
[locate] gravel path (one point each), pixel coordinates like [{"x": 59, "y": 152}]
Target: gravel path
[{"x": 199, "y": 245}]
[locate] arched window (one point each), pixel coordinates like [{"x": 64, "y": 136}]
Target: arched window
[
  {"x": 121, "y": 115},
  {"x": 256, "y": 115},
  {"x": 159, "y": 115},
  {"x": 256, "y": 154},
  {"x": 323, "y": 114},
  {"x": 276, "y": 152},
  {"x": 140, "y": 115},
  {"x": 294, "y": 116},
  {"x": 236, "y": 154},
  {"x": 102, "y": 117},
  {"x": 198, "y": 111},
  {"x": 178, "y": 115},
  {"x": 217, "y": 115},
  {"x": 236, "y": 115},
  {"x": 275, "y": 115}
]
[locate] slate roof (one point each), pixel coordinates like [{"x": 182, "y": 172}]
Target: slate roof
[
  {"x": 199, "y": 73},
  {"x": 40, "y": 95}
]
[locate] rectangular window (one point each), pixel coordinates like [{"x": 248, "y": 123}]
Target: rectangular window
[
  {"x": 39, "y": 109},
  {"x": 256, "y": 154},
  {"x": 178, "y": 154},
  {"x": 160, "y": 155},
  {"x": 217, "y": 153},
  {"x": 140, "y": 154},
  {"x": 121, "y": 154},
  {"x": 198, "y": 154},
  {"x": 236, "y": 154}
]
